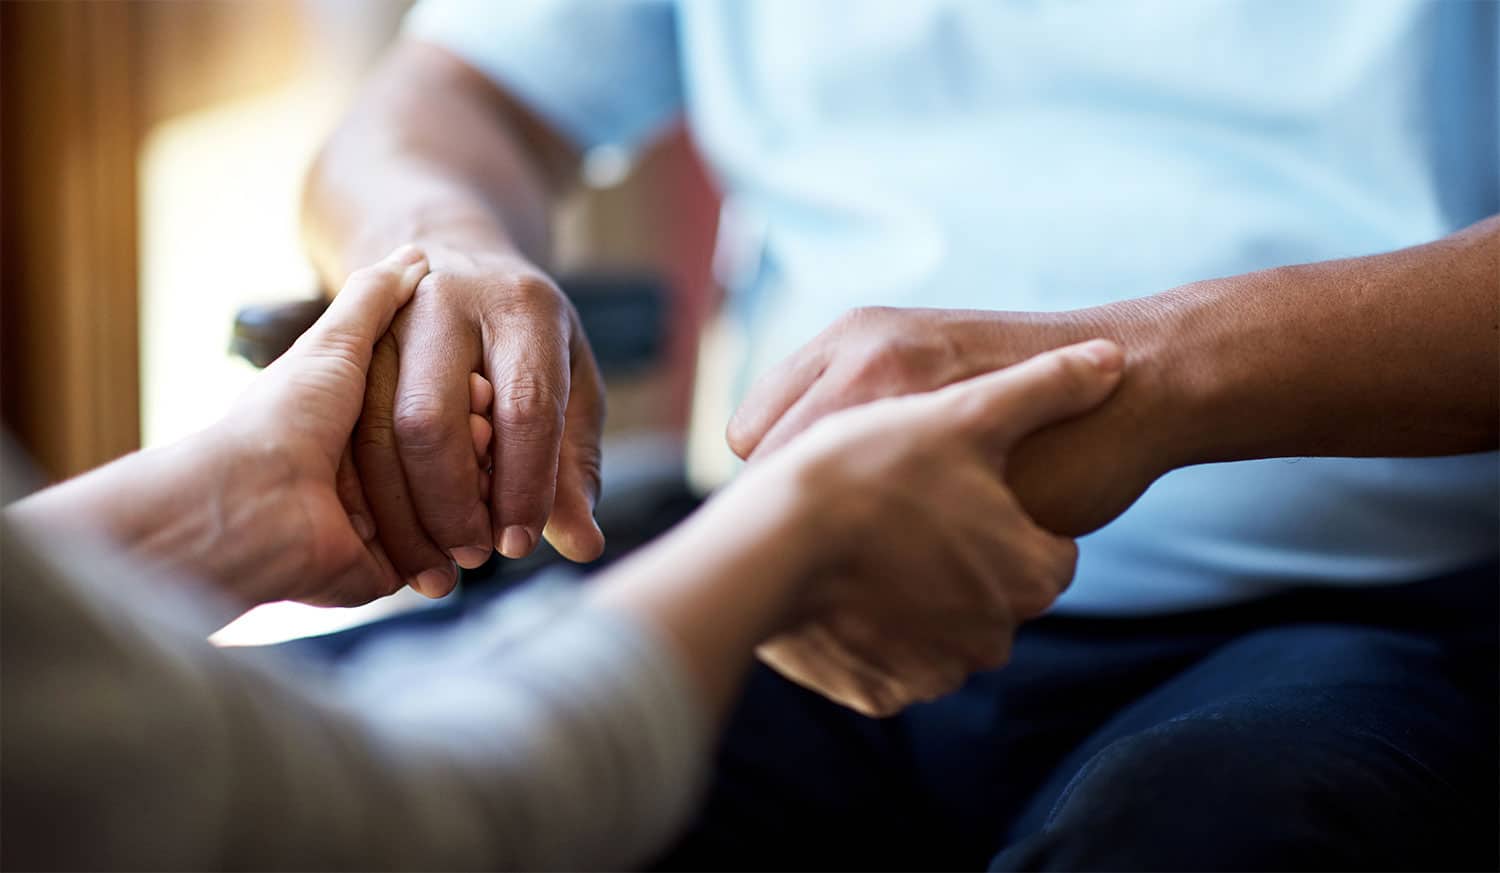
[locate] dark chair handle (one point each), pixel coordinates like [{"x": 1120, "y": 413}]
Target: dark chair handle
[{"x": 262, "y": 333}]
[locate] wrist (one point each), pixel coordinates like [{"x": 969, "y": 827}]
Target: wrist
[
  {"x": 230, "y": 516},
  {"x": 1159, "y": 402},
  {"x": 784, "y": 522},
  {"x": 1156, "y": 405},
  {"x": 443, "y": 222},
  {"x": 181, "y": 507}
]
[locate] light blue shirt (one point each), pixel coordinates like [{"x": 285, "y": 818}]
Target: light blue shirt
[{"x": 1053, "y": 155}]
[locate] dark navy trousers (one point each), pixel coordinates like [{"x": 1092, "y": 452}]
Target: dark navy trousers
[
  {"x": 1315, "y": 730},
  {"x": 1318, "y": 729}
]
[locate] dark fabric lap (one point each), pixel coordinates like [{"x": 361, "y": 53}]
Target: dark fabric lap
[{"x": 1316, "y": 729}]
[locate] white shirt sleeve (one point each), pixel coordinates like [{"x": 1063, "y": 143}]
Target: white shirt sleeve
[
  {"x": 569, "y": 739},
  {"x": 603, "y": 72}
]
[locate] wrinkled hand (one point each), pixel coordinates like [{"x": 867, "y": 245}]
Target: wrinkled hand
[
  {"x": 498, "y": 316},
  {"x": 1072, "y": 478},
  {"x": 932, "y": 562},
  {"x": 291, "y": 433}
]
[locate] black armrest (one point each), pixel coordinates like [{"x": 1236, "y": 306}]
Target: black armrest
[{"x": 624, "y": 317}]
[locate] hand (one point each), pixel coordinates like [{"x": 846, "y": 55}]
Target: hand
[
  {"x": 284, "y": 452},
  {"x": 930, "y": 562},
  {"x": 499, "y": 316},
  {"x": 1072, "y": 478}
]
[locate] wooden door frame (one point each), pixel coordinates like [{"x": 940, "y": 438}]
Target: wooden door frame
[{"x": 69, "y": 343}]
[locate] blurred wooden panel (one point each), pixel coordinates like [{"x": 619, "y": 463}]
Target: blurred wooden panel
[
  {"x": 68, "y": 339},
  {"x": 195, "y": 53}
]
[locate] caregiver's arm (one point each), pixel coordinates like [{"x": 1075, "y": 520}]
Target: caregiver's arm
[
  {"x": 1395, "y": 354},
  {"x": 577, "y": 743},
  {"x": 263, "y": 505}
]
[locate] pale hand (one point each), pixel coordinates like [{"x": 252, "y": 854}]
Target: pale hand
[
  {"x": 284, "y": 451},
  {"x": 1072, "y": 478},
  {"x": 932, "y": 562}
]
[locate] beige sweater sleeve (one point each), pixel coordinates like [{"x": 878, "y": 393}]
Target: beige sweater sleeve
[{"x": 532, "y": 736}]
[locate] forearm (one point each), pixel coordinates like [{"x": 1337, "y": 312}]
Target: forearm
[
  {"x": 724, "y": 581},
  {"x": 1388, "y": 355},
  {"x": 431, "y": 153},
  {"x": 580, "y": 743},
  {"x": 189, "y": 508},
  {"x": 487, "y": 746}
]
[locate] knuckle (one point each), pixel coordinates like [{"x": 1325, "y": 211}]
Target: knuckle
[
  {"x": 884, "y": 363},
  {"x": 535, "y": 296},
  {"x": 528, "y": 402},
  {"x": 536, "y": 289},
  {"x": 443, "y": 285},
  {"x": 861, "y": 316},
  {"x": 343, "y": 351},
  {"x": 1069, "y": 373},
  {"x": 372, "y": 438},
  {"x": 376, "y": 425},
  {"x": 420, "y": 423},
  {"x": 968, "y": 410},
  {"x": 370, "y": 274}
]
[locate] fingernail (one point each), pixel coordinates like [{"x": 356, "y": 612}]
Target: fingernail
[
  {"x": 469, "y": 557},
  {"x": 435, "y": 582},
  {"x": 362, "y": 527},
  {"x": 1104, "y": 355},
  {"x": 515, "y": 542}
]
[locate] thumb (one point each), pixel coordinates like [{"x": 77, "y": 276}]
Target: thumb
[
  {"x": 1007, "y": 405},
  {"x": 363, "y": 309}
]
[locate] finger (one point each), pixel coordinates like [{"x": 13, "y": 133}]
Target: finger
[
  {"x": 363, "y": 309},
  {"x": 816, "y": 659},
  {"x": 1026, "y": 566},
  {"x": 1008, "y": 404},
  {"x": 826, "y": 396},
  {"x": 370, "y": 574},
  {"x": 771, "y": 396},
  {"x": 364, "y": 575},
  {"x": 571, "y": 528},
  {"x": 912, "y": 670},
  {"x": 416, "y": 557},
  {"x": 376, "y": 577},
  {"x": 480, "y": 432},
  {"x": 352, "y": 496},
  {"x": 433, "y": 434},
  {"x": 530, "y": 372},
  {"x": 1053, "y": 562},
  {"x": 481, "y": 394}
]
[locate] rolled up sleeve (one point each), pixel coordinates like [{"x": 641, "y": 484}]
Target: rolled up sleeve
[{"x": 603, "y": 72}]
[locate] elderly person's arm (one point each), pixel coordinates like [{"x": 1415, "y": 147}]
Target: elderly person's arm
[
  {"x": 1395, "y": 354},
  {"x": 434, "y": 152}
]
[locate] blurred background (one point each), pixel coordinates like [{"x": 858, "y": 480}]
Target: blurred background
[{"x": 153, "y": 157}]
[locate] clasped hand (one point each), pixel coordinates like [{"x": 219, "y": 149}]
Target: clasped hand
[
  {"x": 931, "y": 561},
  {"x": 924, "y": 562}
]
